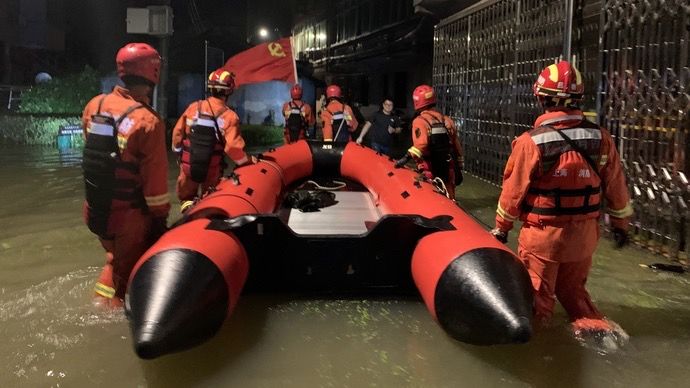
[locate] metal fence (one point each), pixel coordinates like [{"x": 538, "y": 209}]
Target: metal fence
[
  {"x": 486, "y": 59},
  {"x": 634, "y": 57},
  {"x": 645, "y": 101}
]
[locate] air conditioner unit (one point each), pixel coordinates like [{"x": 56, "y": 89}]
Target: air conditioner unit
[
  {"x": 160, "y": 20},
  {"x": 137, "y": 20},
  {"x": 152, "y": 20}
]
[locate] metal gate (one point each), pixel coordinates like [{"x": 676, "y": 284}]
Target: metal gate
[
  {"x": 645, "y": 102},
  {"x": 486, "y": 59},
  {"x": 633, "y": 55}
]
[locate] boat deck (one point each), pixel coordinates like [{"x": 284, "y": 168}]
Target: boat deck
[{"x": 350, "y": 216}]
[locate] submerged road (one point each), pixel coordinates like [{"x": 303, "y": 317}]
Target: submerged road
[{"x": 54, "y": 337}]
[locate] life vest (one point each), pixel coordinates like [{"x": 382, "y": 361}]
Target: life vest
[
  {"x": 341, "y": 131},
  {"x": 203, "y": 147},
  {"x": 568, "y": 188},
  {"x": 440, "y": 147},
  {"x": 295, "y": 124},
  {"x": 107, "y": 177}
]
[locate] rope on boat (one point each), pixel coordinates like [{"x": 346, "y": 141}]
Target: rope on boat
[{"x": 339, "y": 185}]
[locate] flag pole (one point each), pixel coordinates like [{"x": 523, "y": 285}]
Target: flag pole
[
  {"x": 294, "y": 62},
  {"x": 205, "y": 74}
]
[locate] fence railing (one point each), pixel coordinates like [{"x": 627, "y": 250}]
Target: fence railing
[
  {"x": 10, "y": 95},
  {"x": 634, "y": 58}
]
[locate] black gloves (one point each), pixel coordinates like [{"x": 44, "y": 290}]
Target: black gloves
[
  {"x": 159, "y": 225},
  {"x": 499, "y": 235},
  {"x": 620, "y": 238},
  {"x": 400, "y": 163}
]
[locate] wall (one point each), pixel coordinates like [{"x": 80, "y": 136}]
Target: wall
[{"x": 261, "y": 102}]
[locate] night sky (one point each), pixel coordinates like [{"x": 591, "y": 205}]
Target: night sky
[{"x": 96, "y": 29}]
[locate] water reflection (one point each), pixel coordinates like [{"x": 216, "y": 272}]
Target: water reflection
[{"x": 54, "y": 337}]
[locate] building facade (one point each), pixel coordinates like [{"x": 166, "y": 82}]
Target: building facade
[{"x": 371, "y": 48}]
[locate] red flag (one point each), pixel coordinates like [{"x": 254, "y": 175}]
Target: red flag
[{"x": 265, "y": 62}]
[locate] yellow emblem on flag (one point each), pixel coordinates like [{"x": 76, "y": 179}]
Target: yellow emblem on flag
[{"x": 276, "y": 49}]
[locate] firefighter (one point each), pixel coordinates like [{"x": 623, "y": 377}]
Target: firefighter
[
  {"x": 298, "y": 116},
  {"x": 207, "y": 130},
  {"x": 338, "y": 120},
  {"x": 125, "y": 170},
  {"x": 555, "y": 179},
  {"x": 435, "y": 144}
]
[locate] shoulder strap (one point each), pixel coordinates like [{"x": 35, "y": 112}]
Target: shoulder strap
[
  {"x": 424, "y": 118},
  {"x": 213, "y": 114},
  {"x": 127, "y": 112},
  {"x": 433, "y": 118},
  {"x": 210, "y": 107},
  {"x": 119, "y": 120},
  {"x": 215, "y": 122},
  {"x": 578, "y": 149},
  {"x": 223, "y": 110},
  {"x": 100, "y": 104},
  {"x": 342, "y": 122}
]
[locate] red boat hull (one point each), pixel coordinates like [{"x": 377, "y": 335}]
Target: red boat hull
[{"x": 472, "y": 285}]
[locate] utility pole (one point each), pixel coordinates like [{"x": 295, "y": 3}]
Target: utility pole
[
  {"x": 163, "y": 21},
  {"x": 163, "y": 84},
  {"x": 568, "y": 30},
  {"x": 155, "y": 20},
  {"x": 205, "y": 73}
]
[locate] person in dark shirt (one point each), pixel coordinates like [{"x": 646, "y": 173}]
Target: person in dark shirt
[{"x": 385, "y": 124}]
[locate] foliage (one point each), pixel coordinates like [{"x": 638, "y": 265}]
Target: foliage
[
  {"x": 32, "y": 130},
  {"x": 68, "y": 94},
  {"x": 43, "y": 130},
  {"x": 261, "y": 135}
]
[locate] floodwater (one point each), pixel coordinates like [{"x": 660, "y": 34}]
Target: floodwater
[{"x": 53, "y": 337}]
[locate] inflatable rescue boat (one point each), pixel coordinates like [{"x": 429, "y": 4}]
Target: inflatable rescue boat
[{"x": 382, "y": 230}]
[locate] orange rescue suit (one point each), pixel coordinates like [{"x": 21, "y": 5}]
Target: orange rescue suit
[
  {"x": 143, "y": 167},
  {"x": 304, "y": 111},
  {"x": 332, "y": 115},
  {"x": 429, "y": 128},
  {"x": 231, "y": 143},
  {"x": 557, "y": 194}
]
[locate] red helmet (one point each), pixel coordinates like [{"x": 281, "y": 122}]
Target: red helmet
[
  {"x": 296, "y": 92},
  {"x": 423, "y": 96},
  {"x": 560, "y": 83},
  {"x": 333, "y": 91},
  {"x": 139, "y": 59},
  {"x": 222, "y": 79}
]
